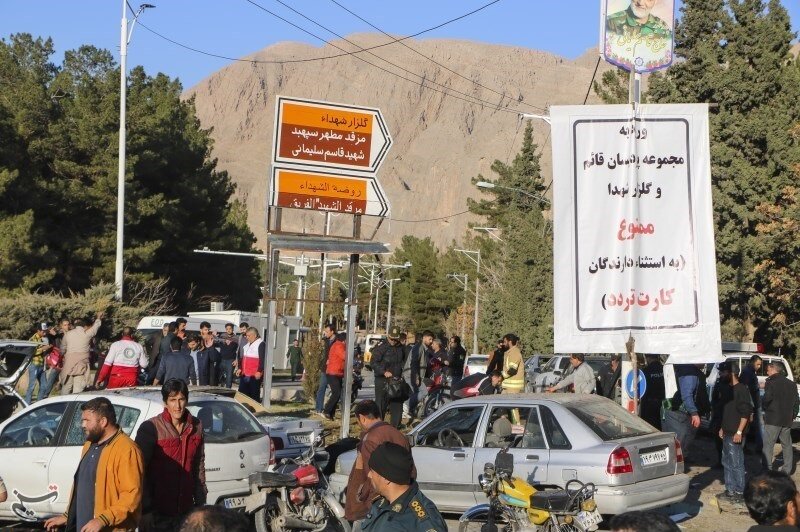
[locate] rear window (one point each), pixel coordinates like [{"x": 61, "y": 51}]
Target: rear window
[
  {"x": 226, "y": 422},
  {"x": 479, "y": 360},
  {"x": 610, "y": 421}
]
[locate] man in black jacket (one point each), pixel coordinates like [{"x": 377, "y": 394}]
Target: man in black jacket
[
  {"x": 387, "y": 362},
  {"x": 413, "y": 370},
  {"x": 609, "y": 376},
  {"x": 650, "y": 408},
  {"x": 780, "y": 404},
  {"x": 736, "y": 415}
]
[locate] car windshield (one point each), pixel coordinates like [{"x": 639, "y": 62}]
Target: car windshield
[
  {"x": 550, "y": 366},
  {"x": 609, "y": 421},
  {"x": 226, "y": 421}
]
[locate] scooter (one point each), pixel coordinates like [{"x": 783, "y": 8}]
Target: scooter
[
  {"x": 516, "y": 506},
  {"x": 296, "y": 495}
]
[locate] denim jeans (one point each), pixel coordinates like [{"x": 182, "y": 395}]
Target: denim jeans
[
  {"x": 323, "y": 386},
  {"x": 36, "y": 374},
  {"x": 51, "y": 376},
  {"x": 733, "y": 463},
  {"x": 226, "y": 367},
  {"x": 681, "y": 424}
]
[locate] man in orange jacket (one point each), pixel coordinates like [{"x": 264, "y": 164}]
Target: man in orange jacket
[{"x": 107, "y": 494}]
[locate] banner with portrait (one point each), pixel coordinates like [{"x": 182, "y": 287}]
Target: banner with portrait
[
  {"x": 638, "y": 35},
  {"x": 633, "y": 231}
]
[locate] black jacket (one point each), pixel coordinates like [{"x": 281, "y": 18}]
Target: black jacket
[
  {"x": 608, "y": 380},
  {"x": 654, "y": 377},
  {"x": 457, "y": 357},
  {"x": 740, "y": 406},
  {"x": 780, "y": 401},
  {"x": 386, "y": 357}
]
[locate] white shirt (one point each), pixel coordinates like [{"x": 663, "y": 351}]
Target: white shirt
[{"x": 126, "y": 353}]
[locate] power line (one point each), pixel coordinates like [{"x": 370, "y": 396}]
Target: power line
[
  {"x": 311, "y": 59},
  {"x": 430, "y": 219},
  {"x": 445, "y": 90},
  {"x": 432, "y": 60}
]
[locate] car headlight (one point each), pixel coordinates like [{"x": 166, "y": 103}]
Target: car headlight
[{"x": 338, "y": 467}]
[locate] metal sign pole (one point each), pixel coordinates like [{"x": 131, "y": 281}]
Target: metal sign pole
[
  {"x": 352, "y": 310},
  {"x": 272, "y": 320}
]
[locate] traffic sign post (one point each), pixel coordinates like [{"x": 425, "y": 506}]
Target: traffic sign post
[
  {"x": 327, "y": 135},
  {"x": 306, "y": 189},
  {"x": 629, "y": 389}
]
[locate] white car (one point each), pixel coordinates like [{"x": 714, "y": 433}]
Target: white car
[
  {"x": 40, "y": 448},
  {"x": 475, "y": 363}
]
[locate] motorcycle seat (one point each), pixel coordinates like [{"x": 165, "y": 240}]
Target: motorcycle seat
[
  {"x": 556, "y": 500},
  {"x": 267, "y": 479}
]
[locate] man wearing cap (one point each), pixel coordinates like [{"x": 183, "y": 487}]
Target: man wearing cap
[
  {"x": 401, "y": 505},
  {"x": 387, "y": 362}
]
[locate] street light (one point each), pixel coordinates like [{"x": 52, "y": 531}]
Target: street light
[
  {"x": 486, "y": 184},
  {"x": 491, "y": 231},
  {"x": 474, "y": 256},
  {"x": 389, "y": 311},
  {"x": 124, "y": 39}
]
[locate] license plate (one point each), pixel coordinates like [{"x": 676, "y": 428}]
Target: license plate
[
  {"x": 234, "y": 502},
  {"x": 656, "y": 457},
  {"x": 298, "y": 439},
  {"x": 589, "y": 520}
]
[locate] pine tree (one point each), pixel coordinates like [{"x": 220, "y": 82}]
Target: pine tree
[
  {"x": 518, "y": 270},
  {"x": 734, "y": 55}
]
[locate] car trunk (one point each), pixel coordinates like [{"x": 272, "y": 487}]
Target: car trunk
[{"x": 652, "y": 456}]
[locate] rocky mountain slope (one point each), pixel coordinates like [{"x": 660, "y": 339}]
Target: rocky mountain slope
[{"x": 440, "y": 142}]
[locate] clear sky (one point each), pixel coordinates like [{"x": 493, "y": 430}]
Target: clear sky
[{"x": 237, "y": 27}]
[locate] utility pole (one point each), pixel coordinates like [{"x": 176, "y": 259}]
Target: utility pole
[
  {"x": 389, "y": 311},
  {"x": 322, "y": 285},
  {"x": 463, "y": 280},
  {"x": 475, "y": 257}
]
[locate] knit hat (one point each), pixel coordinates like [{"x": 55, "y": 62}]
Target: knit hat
[{"x": 393, "y": 462}]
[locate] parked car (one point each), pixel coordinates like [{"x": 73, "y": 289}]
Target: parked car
[
  {"x": 290, "y": 435},
  {"x": 555, "y": 438},
  {"x": 475, "y": 363},
  {"x": 40, "y": 448},
  {"x": 15, "y": 357},
  {"x": 559, "y": 367},
  {"x": 534, "y": 364}
]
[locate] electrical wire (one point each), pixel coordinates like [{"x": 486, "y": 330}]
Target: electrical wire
[
  {"x": 444, "y": 89},
  {"x": 432, "y": 60},
  {"x": 430, "y": 219},
  {"x": 311, "y": 59}
]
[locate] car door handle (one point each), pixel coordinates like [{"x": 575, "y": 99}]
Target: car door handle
[
  {"x": 42, "y": 462},
  {"x": 532, "y": 457},
  {"x": 459, "y": 456}
]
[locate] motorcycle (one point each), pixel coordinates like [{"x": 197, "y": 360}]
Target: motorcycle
[
  {"x": 516, "y": 506},
  {"x": 358, "y": 379},
  {"x": 438, "y": 392},
  {"x": 296, "y": 495}
]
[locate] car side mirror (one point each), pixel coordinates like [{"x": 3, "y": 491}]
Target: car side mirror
[{"x": 557, "y": 372}]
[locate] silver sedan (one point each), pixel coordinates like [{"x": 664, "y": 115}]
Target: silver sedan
[{"x": 555, "y": 438}]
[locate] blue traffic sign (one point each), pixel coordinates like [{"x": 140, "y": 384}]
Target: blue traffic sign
[{"x": 629, "y": 384}]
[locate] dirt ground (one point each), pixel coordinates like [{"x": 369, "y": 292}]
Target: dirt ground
[{"x": 706, "y": 482}]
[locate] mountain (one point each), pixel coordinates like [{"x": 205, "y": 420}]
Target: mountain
[{"x": 440, "y": 142}]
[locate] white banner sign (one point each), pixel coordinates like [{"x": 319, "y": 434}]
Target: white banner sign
[{"x": 633, "y": 231}]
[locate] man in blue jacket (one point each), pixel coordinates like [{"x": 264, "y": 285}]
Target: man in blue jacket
[{"x": 688, "y": 405}]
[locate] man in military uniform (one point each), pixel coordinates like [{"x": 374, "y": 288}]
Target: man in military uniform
[
  {"x": 387, "y": 362},
  {"x": 401, "y": 505},
  {"x": 638, "y": 18}
]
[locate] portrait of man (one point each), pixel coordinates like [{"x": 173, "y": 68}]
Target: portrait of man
[{"x": 639, "y": 35}]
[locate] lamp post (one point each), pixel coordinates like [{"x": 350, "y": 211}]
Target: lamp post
[
  {"x": 389, "y": 311},
  {"x": 124, "y": 38},
  {"x": 474, "y": 256}
]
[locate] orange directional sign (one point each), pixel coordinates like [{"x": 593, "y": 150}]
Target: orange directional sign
[
  {"x": 322, "y": 191},
  {"x": 329, "y": 136}
]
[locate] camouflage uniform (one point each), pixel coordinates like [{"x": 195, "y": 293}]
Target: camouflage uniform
[{"x": 625, "y": 22}]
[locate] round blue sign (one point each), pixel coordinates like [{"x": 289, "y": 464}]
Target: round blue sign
[{"x": 629, "y": 384}]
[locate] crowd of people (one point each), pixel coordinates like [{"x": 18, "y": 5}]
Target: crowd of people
[{"x": 205, "y": 358}]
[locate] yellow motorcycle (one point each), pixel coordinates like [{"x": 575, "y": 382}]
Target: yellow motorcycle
[{"x": 516, "y": 506}]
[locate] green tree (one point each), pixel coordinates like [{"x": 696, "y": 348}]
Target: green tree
[
  {"x": 424, "y": 295},
  {"x": 58, "y": 172},
  {"x": 735, "y": 55},
  {"x": 518, "y": 290}
]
